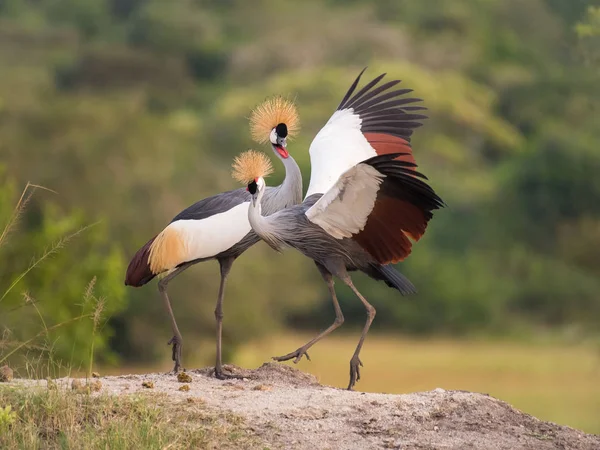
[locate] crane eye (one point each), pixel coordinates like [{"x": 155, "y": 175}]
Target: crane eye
[
  {"x": 252, "y": 187},
  {"x": 281, "y": 130}
]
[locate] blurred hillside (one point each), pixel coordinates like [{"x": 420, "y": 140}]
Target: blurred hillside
[{"x": 133, "y": 109}]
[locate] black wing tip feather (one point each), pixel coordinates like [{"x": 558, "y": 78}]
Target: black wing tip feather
[
  {"x": 373, "y": 160},
  {"x": 364, "y": 92},
  {"x": 404, "y": 172},
  {"x": 383, "y": 106},
  {"x": 352, "y": 89}
]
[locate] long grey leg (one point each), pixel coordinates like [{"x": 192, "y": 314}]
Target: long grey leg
[
  {"x": 355, "y": 362},
  {"x": 339, "y": 320},
  {"x": 176, "y": 341},
  {"x": 225, "y": 264}
]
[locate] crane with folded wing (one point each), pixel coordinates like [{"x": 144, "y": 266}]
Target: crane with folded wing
[{"x": 217, "y": 227}]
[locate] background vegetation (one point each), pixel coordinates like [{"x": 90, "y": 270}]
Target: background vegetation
[{"x": 133, "y": 109}]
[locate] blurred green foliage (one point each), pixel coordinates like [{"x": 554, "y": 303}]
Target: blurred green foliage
[
  {"x": 133, "y": 109},
  {"x": 51, "y": 261}
]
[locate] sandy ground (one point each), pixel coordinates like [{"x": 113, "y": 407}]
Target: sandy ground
[{"x": 288, "y": 409}]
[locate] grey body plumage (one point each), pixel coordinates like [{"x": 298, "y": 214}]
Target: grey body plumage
[
  {"x": 293, "y": 227},
  {"x": 138, "y": 273}
]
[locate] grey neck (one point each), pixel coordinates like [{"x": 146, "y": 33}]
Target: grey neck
[
  {"x": 289, "y": 192},
  {"x": 261, "y": 225}
]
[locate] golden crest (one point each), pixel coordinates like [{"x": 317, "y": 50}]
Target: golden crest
[
  {"x": 271, "y": 113},
  {"x": 250, "y": 165}
]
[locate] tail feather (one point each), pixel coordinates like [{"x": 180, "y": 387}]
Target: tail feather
[
  {"x": 395, "y": 279},
  {"x": 138, "y": 271}
]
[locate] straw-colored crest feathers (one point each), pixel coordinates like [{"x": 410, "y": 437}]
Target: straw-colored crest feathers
[
  {"x": 250, "y": 165},
  {"x": 271, "y": 113}
]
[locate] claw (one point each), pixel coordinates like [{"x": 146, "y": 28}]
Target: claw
[
  {"x": 176, "y": 355},
  {"x": 219, "y": 374},
  {"x": 297, "y": 355},
  {"x": 355, "y": 364}
]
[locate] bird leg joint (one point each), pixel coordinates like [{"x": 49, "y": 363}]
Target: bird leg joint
[{"x": 371, "y": 313}]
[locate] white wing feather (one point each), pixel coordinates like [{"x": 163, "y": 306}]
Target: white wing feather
[
  {"x": 337, "y": 147},
  {"x": 344, "y": 209}
]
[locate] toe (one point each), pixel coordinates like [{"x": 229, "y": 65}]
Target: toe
[{"x": 351, "y": 384}]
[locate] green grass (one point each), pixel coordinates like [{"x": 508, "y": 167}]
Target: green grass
[
  {"x": 559, "y": 383},
  {"x": 64, "y": 419}
]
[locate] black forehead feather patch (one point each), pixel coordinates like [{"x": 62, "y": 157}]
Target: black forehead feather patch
[
  {"x": 252, "y": 188},
  {"x": 281, "y": 130}
]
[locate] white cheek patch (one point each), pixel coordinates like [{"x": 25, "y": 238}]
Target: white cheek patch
[{"x": 273, "y": 136}]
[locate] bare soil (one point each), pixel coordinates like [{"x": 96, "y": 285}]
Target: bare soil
[{"x": 286, "y": 408}]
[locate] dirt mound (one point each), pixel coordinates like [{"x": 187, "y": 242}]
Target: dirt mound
[
  {"x": 286, "y": 408},
  {"x": 272, "y": 373}
]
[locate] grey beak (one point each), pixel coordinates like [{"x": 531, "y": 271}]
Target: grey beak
[{"x": 281, "y": 141}]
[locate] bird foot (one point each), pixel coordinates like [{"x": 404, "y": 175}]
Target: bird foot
[
  {"x": 176, "y": 343},
  {"x": 355, "y": 365},
  {"x": 220, "y": 373},
  {"x": 297, "y": 354}
]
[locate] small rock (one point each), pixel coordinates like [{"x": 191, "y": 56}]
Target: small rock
[
  {"x": 184, "y": 388},
  {"x": 235, "y": 386},
  {"x": 439, "y": 390},
  {"x": 95, "y": 375},
  {"x": 261, "y": 387},
  {"x": 6, "y": 374},
  {"x": 184, "y": 377},
  {"x": 148, "y": 384},
  {"x": 436, "y": 428}
]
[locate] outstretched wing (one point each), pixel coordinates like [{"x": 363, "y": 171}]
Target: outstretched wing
[
  {"x": 344, "y": 209},
  {"x": 380, "y": 203},
  {"x": 376, "y": 120}
]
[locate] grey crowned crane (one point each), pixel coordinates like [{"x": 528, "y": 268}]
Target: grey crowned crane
[
  {"x": 217, "y": 227},
  {"x": 364, "y": 202}
]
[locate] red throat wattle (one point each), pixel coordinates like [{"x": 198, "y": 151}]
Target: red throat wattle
[{"x": 282, "y": 151}]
